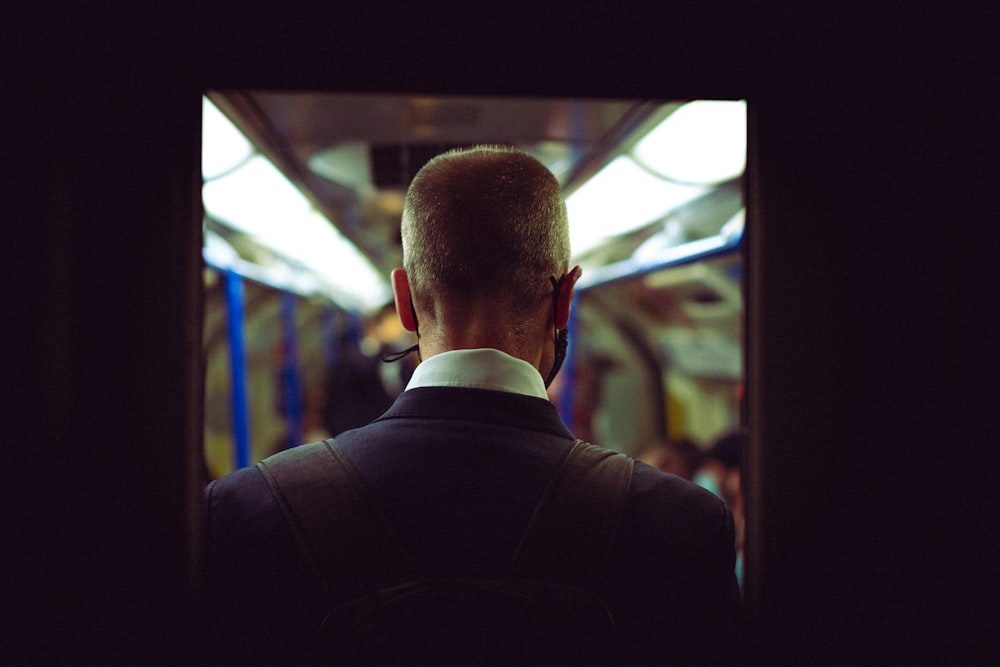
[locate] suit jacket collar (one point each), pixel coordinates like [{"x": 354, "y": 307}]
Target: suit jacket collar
[{"x": 482, "y": 406}]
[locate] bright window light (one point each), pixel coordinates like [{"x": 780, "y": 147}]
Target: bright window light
[
  {"x": 223, "y": 147},
  {"x": 622, "y": 197},
  {"x": 704, "y": 142}
]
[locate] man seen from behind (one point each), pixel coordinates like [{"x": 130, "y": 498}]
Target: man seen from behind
[{"x": 457, "y": 465}]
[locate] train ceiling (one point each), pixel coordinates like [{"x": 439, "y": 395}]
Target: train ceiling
[{"x": 352, "y": 156}]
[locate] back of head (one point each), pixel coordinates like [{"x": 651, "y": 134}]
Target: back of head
[{"x": 484, "y": 222}]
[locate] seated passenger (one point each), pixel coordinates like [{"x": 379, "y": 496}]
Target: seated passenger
[{"x": 457, "y": 466}]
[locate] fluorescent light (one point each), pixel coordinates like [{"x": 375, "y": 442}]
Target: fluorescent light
[
  {"x": 704, "y": 141},
  {"x": 620, "y": 198},
  {"x": 223, "y": 147},
  {"x": 257, "y": 199},
  {"x": 217, "y": 252},
  {"x": 352, "y": 279}
]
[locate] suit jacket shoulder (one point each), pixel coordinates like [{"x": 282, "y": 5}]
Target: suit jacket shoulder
[{"x": 478, "y": 461}]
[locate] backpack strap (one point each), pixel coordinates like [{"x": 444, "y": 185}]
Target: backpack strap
[
  {"x": 324, "y": 499},
  {"x": 569, "y": 537},
  {"x": 567, "y": 540}
]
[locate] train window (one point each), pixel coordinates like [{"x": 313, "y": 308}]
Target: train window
[{"x": 656, "y": 200}]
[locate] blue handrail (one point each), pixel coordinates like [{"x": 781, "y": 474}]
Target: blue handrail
[
  {"x": 688, "y": 253},
  {"x": 291, "y": 386},
  {"x": 238, "y": 367},
  {"x": 696, "y": 251}
]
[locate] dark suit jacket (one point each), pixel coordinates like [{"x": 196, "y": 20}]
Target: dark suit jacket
[{"x": 458, "y": 472}]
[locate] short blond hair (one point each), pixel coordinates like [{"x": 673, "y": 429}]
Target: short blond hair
[{"x": 487, "y": 221}]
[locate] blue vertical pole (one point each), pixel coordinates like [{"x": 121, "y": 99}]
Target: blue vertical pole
[
  {"x": 568, "y": 371},
  {"x": 578, "y": 132},
  {"x": 290, "y": 384},
  {"x": 238, "y": 368},
  {"x": 353, "y": 329}
]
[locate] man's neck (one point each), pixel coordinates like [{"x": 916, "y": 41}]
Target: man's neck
[
  {"x": 482, "y": 325},
  {"x": 531, "y": 354}
]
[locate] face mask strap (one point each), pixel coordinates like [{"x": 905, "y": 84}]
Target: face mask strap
[
  {"x": 561, "y": 337},
  {"x": 396, "y": 356}
]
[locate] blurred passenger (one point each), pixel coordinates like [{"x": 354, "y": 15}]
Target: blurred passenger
[
  {"x": 720, "y": 469},
  {"x": 721, "y": 474},
  {"x": 313, "y": 417},
  {"x": 458, "y": 464},
  {"x": 678, "y": 457},
  {"x": 386, "y": 335},
  {"x": 355, "y": 392}
]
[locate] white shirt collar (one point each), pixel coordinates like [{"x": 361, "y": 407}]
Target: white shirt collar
[{"x": 483, "y": 368}]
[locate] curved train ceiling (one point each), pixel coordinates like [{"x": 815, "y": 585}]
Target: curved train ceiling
[
  {"x": 642, "y": 200},
  {"x": 634, "y": 198}
]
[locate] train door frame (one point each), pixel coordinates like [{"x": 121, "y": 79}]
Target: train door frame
[
  {"x": 869, "y": 123},
  {"x": 743, "y": 243}
]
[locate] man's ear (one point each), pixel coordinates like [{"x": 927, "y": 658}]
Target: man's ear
[
  {"x": 566, "y": 296},
  {"x": 404, "y": 301}
]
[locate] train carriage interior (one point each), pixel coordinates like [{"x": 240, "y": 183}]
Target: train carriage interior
[{"x": 303, "y": 195}]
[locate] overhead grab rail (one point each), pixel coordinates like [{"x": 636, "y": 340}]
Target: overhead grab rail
[{"x": 686, "y": 253}]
